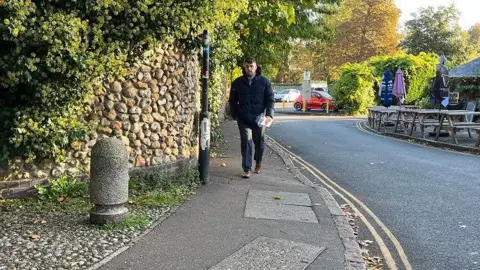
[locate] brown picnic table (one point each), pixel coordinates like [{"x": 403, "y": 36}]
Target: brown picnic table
[
  {"x": 410, "y": 118},
  {"x": 453, "y": 124},
  {"x": 378, "y": 115},
  {"x": 449, "y": 120}
]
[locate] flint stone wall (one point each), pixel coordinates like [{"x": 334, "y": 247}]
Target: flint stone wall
[{"x": 152, "y": 110}]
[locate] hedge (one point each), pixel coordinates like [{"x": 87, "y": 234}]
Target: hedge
[
  {"x": 417, "y": 71},
  {"x": 355, "y": 88}
]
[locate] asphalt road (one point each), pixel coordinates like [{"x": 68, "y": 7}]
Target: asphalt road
[{"x": 428, "y": 198}]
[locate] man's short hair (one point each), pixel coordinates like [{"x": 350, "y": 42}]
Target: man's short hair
[{"x": 250, "y": 60}]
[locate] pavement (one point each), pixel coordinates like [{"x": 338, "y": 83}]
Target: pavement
[{"x": 275, "y": 220}]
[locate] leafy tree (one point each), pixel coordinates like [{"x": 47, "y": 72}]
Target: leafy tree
[
  {"x": 268, "y": 28},
  {"x": 437, "y": 30},
  {"x": 299, "y": 60},
  {"x": 362, "y": 29},
  {"x": 474, "y": 39},
  {"x": 225, "y": 50}
]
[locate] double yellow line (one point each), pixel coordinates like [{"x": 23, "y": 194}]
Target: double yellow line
[{"x": 348, "y": 198}]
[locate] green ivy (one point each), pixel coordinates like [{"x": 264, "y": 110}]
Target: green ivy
[{"x": 54, "y": 53}]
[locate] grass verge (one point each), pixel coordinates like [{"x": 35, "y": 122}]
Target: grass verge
[
  {"x": 132, "y": 222},
  {"x": 146, "y": 190}
]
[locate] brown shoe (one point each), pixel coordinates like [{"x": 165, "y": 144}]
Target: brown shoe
[
  {"x": 258, "y": 168},
  {"x": 246, "y": 175}
]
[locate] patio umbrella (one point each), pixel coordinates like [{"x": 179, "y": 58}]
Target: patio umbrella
[
  {"x": 399, "y": 86},
  {"x": 440, "y": 89},
  {"x": 386, "y": 89}
]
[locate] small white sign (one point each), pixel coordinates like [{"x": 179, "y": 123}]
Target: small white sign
[
  {"x": 205, "y": 133},
  {"x": 306, "y": 76}
]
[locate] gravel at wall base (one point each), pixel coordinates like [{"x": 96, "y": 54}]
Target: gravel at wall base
[{"x": 62, "y": 240}]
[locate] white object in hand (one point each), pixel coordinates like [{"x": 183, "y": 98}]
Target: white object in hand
[{"x": 263, "y": 121}]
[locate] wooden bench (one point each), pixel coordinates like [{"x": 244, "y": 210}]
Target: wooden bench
[
  {"x": 421, "y": 117},
  {"x": 384, "y": 116},
  {"x": 454, "y": 126}
]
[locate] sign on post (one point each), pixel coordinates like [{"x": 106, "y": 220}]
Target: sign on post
[
  {"x": 306, "y": 76},
  {"x": 306, "y": 86}
]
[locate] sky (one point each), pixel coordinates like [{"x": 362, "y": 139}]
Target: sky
[{"x": 470, "y": 9}]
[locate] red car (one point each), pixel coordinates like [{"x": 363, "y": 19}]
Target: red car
[{"x": 318, "y": 101}]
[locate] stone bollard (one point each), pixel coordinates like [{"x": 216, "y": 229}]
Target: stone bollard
[{"x": 108, "y": 181}]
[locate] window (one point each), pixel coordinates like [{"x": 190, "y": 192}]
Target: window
[{"x": 326, "y": 95}]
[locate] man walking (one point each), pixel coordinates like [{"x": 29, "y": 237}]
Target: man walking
[{"x": 251, "y": 96}]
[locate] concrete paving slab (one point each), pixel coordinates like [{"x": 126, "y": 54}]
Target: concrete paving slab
[
  {"x": 270, "y": 253},
  {"x": 279, "y": 206},
  {"x": 279, "y": 197}
]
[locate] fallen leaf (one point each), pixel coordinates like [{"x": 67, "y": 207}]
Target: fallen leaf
[
  {"x": 67, "y": 265},
  {"x": 278, "y": 198},
  {"x": 224, "y": 165},
  {"x": 34, "y": 236},
  {"x": 43, "y": 222},
  {"x": 61, "y": 199}
]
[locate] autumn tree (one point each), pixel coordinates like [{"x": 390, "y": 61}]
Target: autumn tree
[
  {"x": 437, "y": 30},
  {"x": 363, "y": 28}
]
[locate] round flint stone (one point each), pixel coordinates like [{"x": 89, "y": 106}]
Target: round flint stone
[{"x": 108, "y": 181}]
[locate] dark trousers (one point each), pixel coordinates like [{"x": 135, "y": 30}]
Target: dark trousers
[{"x": 250, "y": 135}]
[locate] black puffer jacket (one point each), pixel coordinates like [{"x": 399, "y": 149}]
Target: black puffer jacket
[{"x": 249, "y": 101}]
